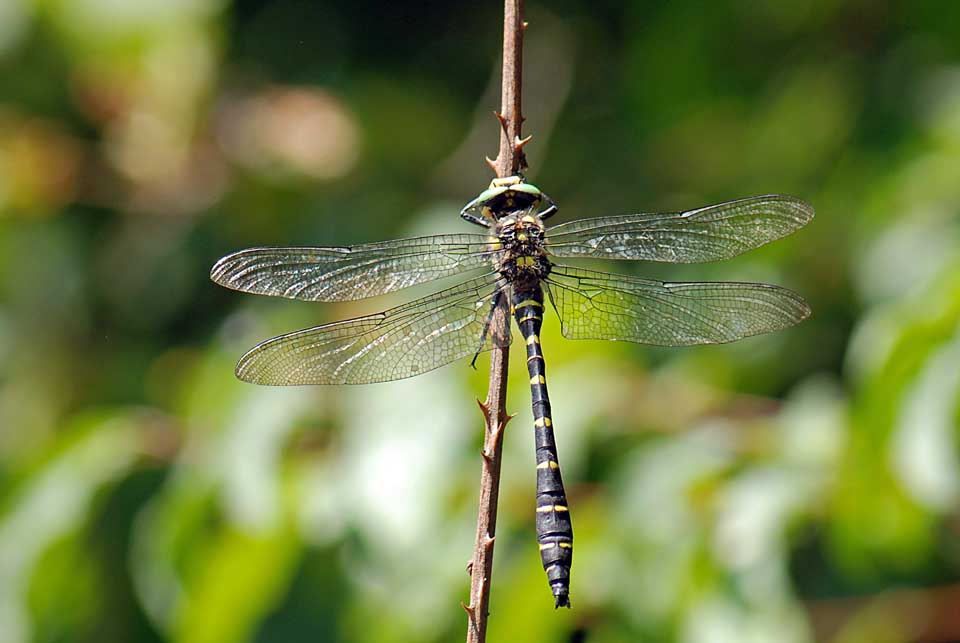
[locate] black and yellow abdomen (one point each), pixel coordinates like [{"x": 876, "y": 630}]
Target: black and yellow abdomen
[{"x": 554, "y": 531}]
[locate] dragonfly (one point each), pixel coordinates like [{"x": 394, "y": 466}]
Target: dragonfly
[{"x": 514, "y": 261}]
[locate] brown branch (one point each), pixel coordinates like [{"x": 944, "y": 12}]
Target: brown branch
[{"x": 509, "y": 161}]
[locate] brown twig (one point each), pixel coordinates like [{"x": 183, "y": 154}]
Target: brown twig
[{"x": 510, "y": 160}]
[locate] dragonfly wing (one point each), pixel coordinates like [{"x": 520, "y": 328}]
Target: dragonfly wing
[
  {"x": 599, "y": 305},
  {"x": 401, "y": 342},
  {"x": 707, "y": 234},
  {"x": 349, "y": 273}
]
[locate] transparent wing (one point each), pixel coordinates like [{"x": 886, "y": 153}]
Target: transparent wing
[
  {"x": 599, "y": 305},
  {"x": 349, "y": 273},
  {"x": 397, "y": 343},
  {"x": 706, "y": 234}
]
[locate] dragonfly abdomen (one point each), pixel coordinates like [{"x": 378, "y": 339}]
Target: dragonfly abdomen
[{"x": 554, "y": 530}]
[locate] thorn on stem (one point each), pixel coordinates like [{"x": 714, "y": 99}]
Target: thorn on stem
[
  {"x": 469, "y": 610},
  {"x": 495, "y": 436},
  {"x": 524, "y": 25},
  {"x": 470, "y": 567},
  {"x": 485, "y": 410},
  {"x": 520, "y": 143},
  {"x": 502, "y": 119},
  {"x": 492, "y": 164}
]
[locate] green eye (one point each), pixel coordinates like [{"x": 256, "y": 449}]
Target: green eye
[
  {"x": 490, "y": 194},
  {"x": 526, "y": 188},
  {"x": 484, "y": 198}
]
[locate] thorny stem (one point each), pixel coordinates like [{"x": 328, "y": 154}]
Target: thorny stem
[{"x": 510, "y": 161}]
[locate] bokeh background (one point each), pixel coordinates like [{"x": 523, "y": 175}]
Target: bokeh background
[{"x": 796, "y": 487}]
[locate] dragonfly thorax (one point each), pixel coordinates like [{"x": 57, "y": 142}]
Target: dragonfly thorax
[{"x": 521, "y": 238}]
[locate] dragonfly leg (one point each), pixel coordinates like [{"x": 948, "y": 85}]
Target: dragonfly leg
[
  {"x": 486, "y": 329},
  {"x": 472, "y": 218},
  {"x": 550, "y": 211}
]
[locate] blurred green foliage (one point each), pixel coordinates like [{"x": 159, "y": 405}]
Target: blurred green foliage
[{"x": 796, "y": 487}]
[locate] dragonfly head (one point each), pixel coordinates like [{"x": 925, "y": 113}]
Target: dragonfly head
[{"x": 505, "y": 196}]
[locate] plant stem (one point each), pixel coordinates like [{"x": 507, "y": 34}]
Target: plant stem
[{"x": 510, "y": 160}]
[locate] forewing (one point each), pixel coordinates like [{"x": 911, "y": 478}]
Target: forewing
[
  {"x": 598, "y": 305},
  {"x": 349, "y": 273},
  {"x": 401, "y": 342},
  {"x": 707, "y": 234}
]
